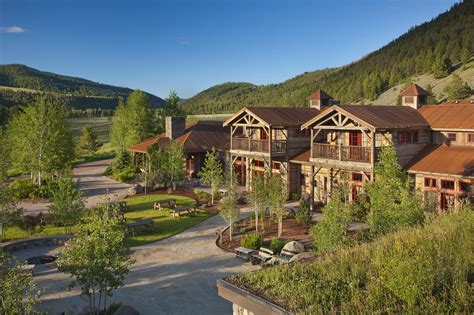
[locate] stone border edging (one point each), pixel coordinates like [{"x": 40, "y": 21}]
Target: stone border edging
[{"x": 15, "y": 245}]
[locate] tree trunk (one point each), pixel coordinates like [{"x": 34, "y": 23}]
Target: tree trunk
[
  {"x": 280, "y": 226},
  {"x": 256, "y": 221},
  {"x": 39, "y": 178},
  {"x": 230, "y": 232},
  {"x": 212, "y": 196}
]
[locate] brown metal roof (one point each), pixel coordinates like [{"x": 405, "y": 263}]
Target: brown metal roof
[
  {"x": 378, "y": 116},
  {"x": 199, "y": 137},
  {"x": 276, "y": 116},
  {"x": 414, "y": 90},
  {"x": 449, "y": 115},
  {"x": 302, "y": 158},
  {"x": 319, "y": 95},
  {"x": 451, "y": 160},
  {"x": 284, "y": 116}
]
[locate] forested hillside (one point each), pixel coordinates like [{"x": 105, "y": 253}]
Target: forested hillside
[
  {"x": 432, "y": 47},
  {"x": 20, "y": 84}
]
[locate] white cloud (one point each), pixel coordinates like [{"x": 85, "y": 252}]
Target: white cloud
[{"x": 12, "y": 29}]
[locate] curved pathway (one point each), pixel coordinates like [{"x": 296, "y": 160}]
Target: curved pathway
[
  {"x": 176, "y": 275},
  {"x": 95, "y": 186}
]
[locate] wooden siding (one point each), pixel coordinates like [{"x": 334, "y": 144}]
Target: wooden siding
[{"x": 407, "y": 151}]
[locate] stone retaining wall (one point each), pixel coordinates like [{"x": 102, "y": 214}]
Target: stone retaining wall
[{"x": 12, "y": 246}]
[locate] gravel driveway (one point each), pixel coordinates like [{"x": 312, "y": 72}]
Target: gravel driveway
[
  {"x": 95, "y": 186},
  {"x": 173, "y": 276}
]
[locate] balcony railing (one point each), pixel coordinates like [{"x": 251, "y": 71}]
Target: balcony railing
[
  {"x": 255, "y": 145},
  {"x": 342, "y": 152}
]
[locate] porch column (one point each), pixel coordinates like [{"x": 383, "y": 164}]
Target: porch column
[
  {"x": 311, "y": 186},
  {"x": 247, "y": 174}
]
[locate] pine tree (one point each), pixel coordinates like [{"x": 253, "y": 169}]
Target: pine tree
[
  {"x": 441, "y": 67},
  {"x": 88, "y": 142},
  {"x": 465, "y": 57},
  {"x": 457, "y": 89}
]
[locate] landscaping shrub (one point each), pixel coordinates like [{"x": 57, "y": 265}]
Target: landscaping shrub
[
  {"x": 22, "y": 188},
  {"x": 125, "y": 175},
  {"x": 252, "y": 241},
  {"x": 25, "y": 188},
  {"x": 417, "y": 270},
  {"x": 294, "y": 196},
  {"x": 277, "y": 245},
  {"x": 302, "y": 214}
]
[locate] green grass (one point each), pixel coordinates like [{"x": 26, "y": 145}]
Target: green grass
[
  {"x": 140, "y": 208},
  {"x": 99, "y": 155},
  {"x": 99, "y": 125}
]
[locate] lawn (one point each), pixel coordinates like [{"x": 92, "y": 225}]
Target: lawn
[{"x": 140, "y": 208}]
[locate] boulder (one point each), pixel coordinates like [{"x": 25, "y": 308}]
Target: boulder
[
  {"x": 135, "y": 189},
  {"x": 302, "y": 256},
  {"x": 293, "y": 247}
]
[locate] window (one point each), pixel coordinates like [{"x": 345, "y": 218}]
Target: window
[
  {"x": 263, "y": 134},
  {"x": 407, "y": 136},
  {"x": 258, "y": 163},
  {"x": 409, "y": 99},
  {"x": 452, "y": 137},
  {"x": 466, "y": 187},
  {"x": 470, "y": 137},
  {"x": 356, "y": 177},
  {"x": 447, "y": 184},
  {"x": 276, "y": 165},
  {"x": 430, "y": 182}
]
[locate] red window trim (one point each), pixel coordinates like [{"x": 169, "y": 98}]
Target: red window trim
[
  {"x": 452, "y": 134},
  {"x": 356, "y": 175},
  {"x": 429, "y": 180},
  {"x": 408, "y": 136},
  {"x": 448, "y": 181}
]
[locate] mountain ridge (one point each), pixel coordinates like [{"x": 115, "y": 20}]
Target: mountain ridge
[
  {"x": 422, "y": 48},
  {"x": 20, "y": 81}
]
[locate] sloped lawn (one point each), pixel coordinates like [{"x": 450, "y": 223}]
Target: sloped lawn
[{"x": 139, "y": 208}]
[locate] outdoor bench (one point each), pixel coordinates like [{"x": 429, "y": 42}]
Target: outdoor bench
[{"x": 147, "y": 223}]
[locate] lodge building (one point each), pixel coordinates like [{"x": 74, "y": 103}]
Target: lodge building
[{"x": 318, "y": 147}]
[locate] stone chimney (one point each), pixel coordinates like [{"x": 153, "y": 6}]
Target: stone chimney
[
  {"x": 175, "y": 126},
  {"x": 319, "y": 100},
  {"x": 414, "y": 96}
]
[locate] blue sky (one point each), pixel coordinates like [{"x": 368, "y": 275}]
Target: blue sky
[{"x": 189, "y": 46}]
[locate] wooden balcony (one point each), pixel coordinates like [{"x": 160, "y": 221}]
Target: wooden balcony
[
  {"x": 255, "y": 145},
  {"x": 341, "y": 152}
]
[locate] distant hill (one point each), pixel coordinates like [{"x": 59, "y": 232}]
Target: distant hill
[
  {"x": 415, "y": 53},
  {"x": 20, "y": 84}
]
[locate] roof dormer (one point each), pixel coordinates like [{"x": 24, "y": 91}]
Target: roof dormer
[{"x": 414, "y": 96}]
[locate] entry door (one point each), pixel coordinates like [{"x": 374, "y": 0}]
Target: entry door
[
  {"x": 447, "y": 201},
  {"x": 355, "y": 138},
  {"x": 355, "y": 141}
]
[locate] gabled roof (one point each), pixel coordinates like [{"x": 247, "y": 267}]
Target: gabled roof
[
  {"x": 319, "y": 95},
  {"x": 414, "y": 90},
  {"x": 199, "y": 137},
  {"x": 276, "y": 116},
  {"x": 443, "y": 159},
  {"x": 377, "y": 116},
  {"x": 450, "y": 115}
]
